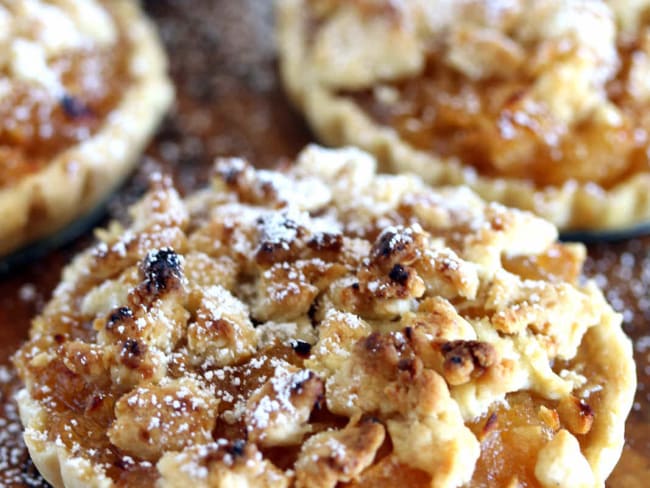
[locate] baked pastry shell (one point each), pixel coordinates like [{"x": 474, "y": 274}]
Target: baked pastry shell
[
  {"x": 81, "y": 177},
  {"x": 338, "y": 120}
]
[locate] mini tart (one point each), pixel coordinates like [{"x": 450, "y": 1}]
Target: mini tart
[
  {"x": 323, "y": 327},
  {"x": 83, "y": 85},
  {"x": 539, "y": 105}
]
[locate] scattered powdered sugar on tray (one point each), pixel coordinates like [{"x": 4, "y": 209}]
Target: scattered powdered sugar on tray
[
  {"x": 622, "y": 270},
  {"x": 16, "y": 469},
  {"x": 211, "y": 122}
]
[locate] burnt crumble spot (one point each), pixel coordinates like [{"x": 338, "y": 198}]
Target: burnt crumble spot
[
  {"x": 387, "y": 244},
  {"x": 59, "y": 338},
  {"x": 145, "y": 436},
  {"x": 391, "y": 242},
  {"x": 278, "y": 237},
  {"x": 268, "y": 248},
  {"x": 373, "y": 343},
  {"x": 301, "y": 348},
  {"x": 121, "y": 464},
  {"x": 326, "y": 242},
  {"x": 455, "y": 359},
  {"x": 74, "y": 108},
  {"x": 279, "y": 221},
  {"x": 408, "y": 333},
  {"x": 132, "y": 347},
  {"x": 399, "y": 274},
  {"x": 120, "y": 321},
  {"x": 231, "y": 170},
  {"x": 395, "y": 244},
  {"x": 388, "y": 351},
  {"x": 237, "y": 448},
  {"x": 585, "y": 409},
  {"x": 406, "y": 365},
  {"x": 132, "y": 353},
  {"x": 162, "y": 270},
  {"x": 481, "y": 353},
  {"x": 466, "y": 359},
  {"x": 120, "y": 315},
  {"x": 311, "y": 313}
]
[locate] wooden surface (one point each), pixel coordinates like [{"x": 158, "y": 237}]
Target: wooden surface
[{"x": 230, "y": 103}]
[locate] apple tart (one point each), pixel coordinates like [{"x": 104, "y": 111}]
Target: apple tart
[
  {"x": 83, "y": 85},
  {"x": 541, "y": 105},
  {"x": 325, "y": 326}
]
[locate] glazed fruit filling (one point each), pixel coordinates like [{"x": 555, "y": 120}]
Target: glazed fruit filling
[
  {"x": 511, "y": 438},
  {"x": 484, "y": 124},
  {"x": 556, "y": 264},
  {"x": 36, "y": 125}
]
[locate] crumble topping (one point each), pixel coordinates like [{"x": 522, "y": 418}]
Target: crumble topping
[
  {"x": 479, "y": 39},
  {"x": 372, "y": 327}
]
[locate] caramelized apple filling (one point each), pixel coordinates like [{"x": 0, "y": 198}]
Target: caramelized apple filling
[
  {"x": 558, "y": 263},
  {"x": 511, "y": 437},
  {"x": 485, "y": 125}
]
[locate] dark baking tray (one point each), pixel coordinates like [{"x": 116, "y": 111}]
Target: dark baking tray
[{"x": 230, "y": 102}]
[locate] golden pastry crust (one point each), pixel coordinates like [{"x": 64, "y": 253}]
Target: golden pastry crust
[
  {"x": 79, "y": 175},
  {"x": 320, "y": 326},
  {"x": 573, "y": 148}
]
